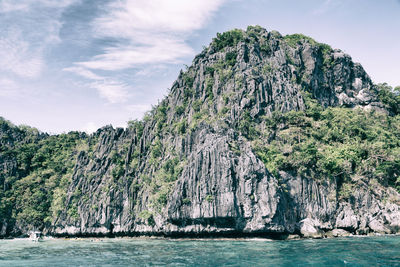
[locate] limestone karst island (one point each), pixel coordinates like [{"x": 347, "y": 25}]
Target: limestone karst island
[{"x": 263, "y": 135}]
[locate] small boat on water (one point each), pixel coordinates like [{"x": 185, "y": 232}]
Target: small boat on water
[{"x": 35, "y": 236}]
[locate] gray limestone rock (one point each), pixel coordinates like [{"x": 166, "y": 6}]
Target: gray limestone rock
[
  {"x": 310, "y": 228},
  {"x": 124, "y": 187},
  {"x": 339, "y": 233}
]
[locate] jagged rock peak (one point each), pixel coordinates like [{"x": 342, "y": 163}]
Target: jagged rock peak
[{"x": 263, "y": 71}]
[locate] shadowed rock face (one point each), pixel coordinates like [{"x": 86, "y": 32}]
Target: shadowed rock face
[{"x": 188, "y": 168}]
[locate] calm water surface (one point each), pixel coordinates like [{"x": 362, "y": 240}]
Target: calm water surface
[{"x": 355, "y": 251}]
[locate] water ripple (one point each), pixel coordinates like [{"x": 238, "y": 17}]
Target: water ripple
[{"x": 366, "y": 251}]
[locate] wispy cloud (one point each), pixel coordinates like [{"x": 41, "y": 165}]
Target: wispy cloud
[
  {"x": 144, "y": 33},
  {"x": 127, "y": 18},
  {"x": 18, "y": 57},
  {"x": 150, "y": 70},
  {"x": 113, "y": 91},
  {"x": 26, "y": 5},
  {"x": 88, "y": 74},
  {"x": 150, "y": 31},
  {"x": 159, "y": 50},
  {"x": 35, "y": 26},
  {"x": 110, "y": 89}
]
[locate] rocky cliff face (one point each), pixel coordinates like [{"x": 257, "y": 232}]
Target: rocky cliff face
[{"x": 190, "y": 167}]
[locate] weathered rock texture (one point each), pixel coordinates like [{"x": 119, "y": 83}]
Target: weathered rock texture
[{"x": 187, "y": 169}]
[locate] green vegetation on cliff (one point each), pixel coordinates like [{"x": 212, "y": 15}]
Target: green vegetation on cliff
[
  {"x": 340, "y": 144},
  {"x": 390, "y": 97},
  {"x": 33, "y": 193},
  {"x": 244, "y": 93}
]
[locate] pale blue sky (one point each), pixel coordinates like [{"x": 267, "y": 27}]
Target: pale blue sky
[{"x": 82, "y": 64}]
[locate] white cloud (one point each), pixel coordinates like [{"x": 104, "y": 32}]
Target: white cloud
[
  {"x": 35, "y": 26},
  {"x": 149, "y": 31},
  {"x": 18, "y": 57},
  {"x": 84, "y": 73},
  {"x": 25, "y": 5},
  {"x": 126, "y": 18},
  {"x": 111, "y": 90},
  {"x": 123, "y": 57},
  {"x": 148, "y": 71},
  {"x": 144, "y": 33}
]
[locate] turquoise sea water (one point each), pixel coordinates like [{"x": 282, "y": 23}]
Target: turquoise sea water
[{"x": 354, "y": 251}]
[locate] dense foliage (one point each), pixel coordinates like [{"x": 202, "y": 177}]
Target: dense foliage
[
  {"x": 294, "y": 40},
  {"x": 339, "y": 144},
  {"x": 389, "y": 97},
  {"x": 226, "y": 39},
  {"x": 32, "y": 193}
]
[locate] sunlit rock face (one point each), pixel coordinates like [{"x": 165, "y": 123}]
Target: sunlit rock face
[{"x": 189, "y": 168}]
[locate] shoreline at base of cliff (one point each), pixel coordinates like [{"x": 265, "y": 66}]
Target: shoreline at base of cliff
[{"x": 290, "y": 237}]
